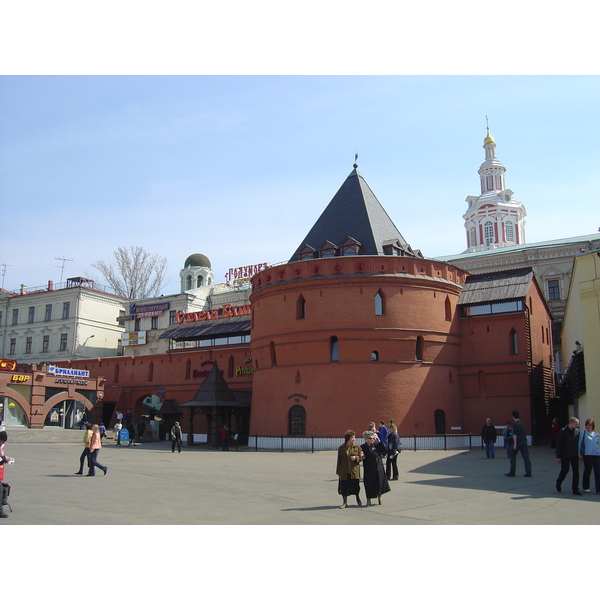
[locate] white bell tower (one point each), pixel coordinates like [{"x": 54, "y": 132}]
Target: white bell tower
[
  {"x": 494, "y": 219},
  {"x": 196, "y": 273}
]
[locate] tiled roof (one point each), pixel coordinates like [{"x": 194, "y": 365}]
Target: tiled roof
[
  {"x": 496, "y": 287},
  {"x": 354, "y": 212}
]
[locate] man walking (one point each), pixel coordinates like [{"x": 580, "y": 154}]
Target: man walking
[
  {"x": 488, "y": 437},
  {"x": 519, "y": 445},
  {"x": 176, "y": 437},
  {"x": 567, "y": 454}
]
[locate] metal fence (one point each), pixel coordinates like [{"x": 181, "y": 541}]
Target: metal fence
[{"x": 453, "y": 441}]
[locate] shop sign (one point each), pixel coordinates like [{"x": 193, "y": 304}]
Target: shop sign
[
  {"x": 71, "y": 381},
  {"x": 133, "y": 338},
  {"x": 148, "y": 310},
  {"x": 244, "y": 272},
  {"x": 57, "y": 371},
  {"x": 20, "y": 378},
  {"x": 212, "y": 315},
  {"x": 7, "y": 364}
]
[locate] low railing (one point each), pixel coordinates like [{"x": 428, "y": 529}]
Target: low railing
[{"x": 451, "y": 441}]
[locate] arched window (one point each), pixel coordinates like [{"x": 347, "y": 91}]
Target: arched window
[
  {"x": 188, "y": 282},
  {"x": 379, "y": 303},
  {"x": 151, "y": 371},
  {"x": 439, "y": 418},
  {"x": 199, "y": 281},
  {"x": 419, "y": 348},
  {"x": 374, "y": 355},
  {"x": 333, "y": 349},
  {"x": 297, "y": 420},
  {"x": 448, "y": 309},
  {"x": 510, "y": 231},
  {"x": 473, "y": 234},
  {"x": 301, "y": 307},
  {"x": 273, "y": 354},
  {"x": 513, "y": 342},
  {"x": 488, "y": 233},
  {"x": 230, "y": 367}
]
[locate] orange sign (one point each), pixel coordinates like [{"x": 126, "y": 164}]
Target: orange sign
[{"x": 7, "y": 364}]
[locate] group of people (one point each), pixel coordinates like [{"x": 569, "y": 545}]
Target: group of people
[
  {"x": 573, "y": 446},
  {"x": 92, "y": 443},
  {"x": 378, "y": 444}
]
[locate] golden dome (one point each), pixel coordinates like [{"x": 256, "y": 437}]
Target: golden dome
[{"x": 489, "y": 139}]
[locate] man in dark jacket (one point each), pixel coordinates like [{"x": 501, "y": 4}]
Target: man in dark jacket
[
  {"x": 488, "y": 437},
  {"x": 567, "y": 453}
]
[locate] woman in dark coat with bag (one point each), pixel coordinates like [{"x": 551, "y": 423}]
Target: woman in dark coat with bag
[
  {"x": 374, "y": 477},
  {"x": 348, "y": 469}
]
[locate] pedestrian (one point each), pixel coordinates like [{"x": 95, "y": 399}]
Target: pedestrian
[
  {"x": 85, "y": 455},
  {"x": 95, "y": 445},
  {"x": 117, "y": 429},
  {"x": 224, "y": 438},
  {"x": 589, "y": 451},
  {"x": 382, "y": 432},
  {"x": 507, "y": 434},
  {"x": 131, "y": 430},
  {"x": 348, "y": 468},
  {"x": 376, "y": 483},
  {"x": 519, "y": 445},
  {"x": 102, "y": 431},
  {"x": 567, "y": 454},
  {"x": 394, "y": 447},
  {"x": 555, "y": 428},
  {"x": 176, "y": 437},
  {"x": 488, "y": 437},
  {"x": 128, "y": 418},
  {"x": 3, "y": 461},
  {"x": 141, "y": 428}
]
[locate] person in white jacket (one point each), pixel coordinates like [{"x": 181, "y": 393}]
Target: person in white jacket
[{"x": 589, "y": 452}]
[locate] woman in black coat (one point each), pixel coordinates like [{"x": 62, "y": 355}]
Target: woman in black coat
[{"x": 374, "y": 477}]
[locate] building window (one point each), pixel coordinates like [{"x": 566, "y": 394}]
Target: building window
[
  {"x": 553, "y": 289},
  {"x": 374, "y": 356},
  {"x": 513, "y": 341},
  {"x": 273, "y": 354},
  {"x": 301, "y": 308},
  {"x": 488, "y": 233},
  {"x": 13, "y": 346},
  {"x": 498, "y": 182},
  {"x": 510, "y": 231},
  {"x": 379, "y": 303},
  {"x": 230, "y": 367},
  {"x": 63, "y": 342},
  {"x": 448, "y": 309},
  {"x": 46, "y": 343},
  {"x": 136, "y": 324},
  {"x": 172, "y": 317},
  {"x": 66, "y": 309},
  {"x": 333, "y": 349},
  {"x": 15, "y": 320},
  {"x": 154, "y": 323},
  {"x": 490, "y": 182},
  {"x": 151, "y": 371},
  {"x": 28, "y": 344},
  {"x": 419, "y": 348},
  {"x": 31, "y": 317},
  {"x": 48, "y": 316},
  {"x": 297, "y": 424},
  {"x": 473, "y": 234}
]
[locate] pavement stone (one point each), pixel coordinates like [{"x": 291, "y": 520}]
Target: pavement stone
[{"x": 147, "y": 484}]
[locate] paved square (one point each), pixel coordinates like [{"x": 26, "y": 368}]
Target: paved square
[{"x": 149, "y": 485}]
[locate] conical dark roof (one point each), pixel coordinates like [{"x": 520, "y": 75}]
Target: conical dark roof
[
  {"x": 214, "y": 391},
  {"x": 354, "y": 212}
]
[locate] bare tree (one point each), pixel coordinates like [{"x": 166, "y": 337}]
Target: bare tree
[{"x": 136, "y": 273}]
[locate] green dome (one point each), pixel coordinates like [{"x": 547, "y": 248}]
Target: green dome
[{"x": 197, "y": 260}]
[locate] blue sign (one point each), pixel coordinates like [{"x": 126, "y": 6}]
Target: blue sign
[{"x": 124, "y": 436}]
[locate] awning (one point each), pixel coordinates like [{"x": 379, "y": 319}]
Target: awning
[{"x": 222, "y": 327}]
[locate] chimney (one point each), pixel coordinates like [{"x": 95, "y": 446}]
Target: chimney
[
  {"x": 50, "y": 285},
  {"x": 23, "y": 289}
]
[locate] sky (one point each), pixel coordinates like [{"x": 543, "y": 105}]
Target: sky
[{"x": 240, "y": 167}]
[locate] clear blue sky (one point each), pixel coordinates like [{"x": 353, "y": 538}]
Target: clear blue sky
[{"x": 240, "y": 167}]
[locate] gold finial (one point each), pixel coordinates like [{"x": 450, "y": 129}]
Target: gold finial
[{"x": 489, "y": 139}]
